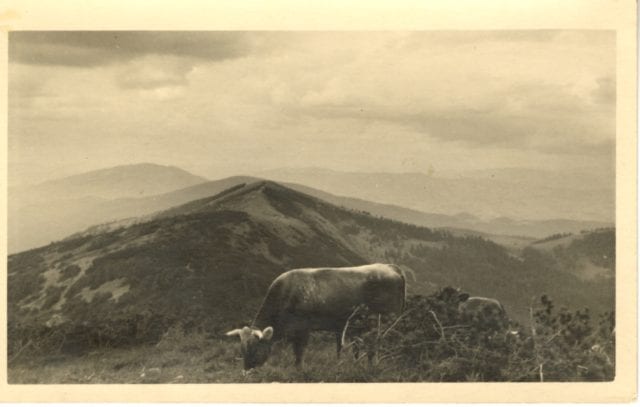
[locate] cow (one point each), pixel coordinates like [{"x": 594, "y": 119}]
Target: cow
[
  {"x": 318, "y": 299},
  {"x": 476, "y": 306},
  {"x": 487, "y": 310}
]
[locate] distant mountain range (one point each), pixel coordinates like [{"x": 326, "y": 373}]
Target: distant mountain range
[
  {"x": 41, "y": 213},
  {"x": 517, "y": 194},
  {"x": 124, "y": 181},
  {"x": 495, "y": 229},
  {"x": 55, "y": 209},
  {"x": 209, "y": 261}
]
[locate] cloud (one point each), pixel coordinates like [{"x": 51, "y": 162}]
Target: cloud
[
  {"x": 605, "y": 92},
  {"x": 25, "y": 83},
  {"x": 550, "y": 92},
  {"x": 152, "y": 72},
  {"x": 537, "y": 118},
  {"x": 510, "y": 98},
  {"x": 582, "y": 132},
  {"x": 94, "y": 48}
]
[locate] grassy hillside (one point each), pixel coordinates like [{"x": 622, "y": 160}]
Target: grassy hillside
[{"x": 206, "y": 265}]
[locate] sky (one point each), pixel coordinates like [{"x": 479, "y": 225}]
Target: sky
[{"x": 229, "y": 103}]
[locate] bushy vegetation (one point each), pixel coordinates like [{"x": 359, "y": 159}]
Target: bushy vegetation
[
  {"x": 430, "y": 341},
  {"x": 25, "y": 275},
  {"x": 433, "y": 341}
]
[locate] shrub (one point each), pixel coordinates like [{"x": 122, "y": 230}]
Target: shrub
[
  {"x": 70, "y": 271},
  {"x": 432, "y": 341},
  {"x": 429, "y": 341}
]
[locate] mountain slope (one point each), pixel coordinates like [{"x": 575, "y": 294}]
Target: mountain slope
[
  {"x": 208, "y": 263},
  {"x": 586, "y": 255}
]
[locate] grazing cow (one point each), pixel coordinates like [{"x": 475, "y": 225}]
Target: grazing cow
[
  {"x": 487, "y": 309},
  {"x": 318, "y": 299}
]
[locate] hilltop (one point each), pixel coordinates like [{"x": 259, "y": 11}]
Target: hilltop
[{"x": 114, "y": 182}]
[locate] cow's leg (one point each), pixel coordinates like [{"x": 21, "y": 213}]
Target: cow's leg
[
  {"x": 370, "y": 354},
  {"x": 338, "y": 342},
  {"x": 300, "y": 339},
  {"x": 356, "y": 351},
  {"x": 375, "y": 344}
]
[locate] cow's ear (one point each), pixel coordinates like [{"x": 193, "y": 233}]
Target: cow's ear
[
  {"x": 234, "y": 332},
  {"x": 267, "y": 333},
  {"x": 463, "y": 297}
]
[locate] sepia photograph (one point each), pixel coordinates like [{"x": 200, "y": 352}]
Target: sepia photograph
[{"x": 330, "y": 206}]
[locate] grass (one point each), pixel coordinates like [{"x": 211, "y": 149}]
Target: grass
[
  {"x": 193, "y": 358},
  {"x": 453, "y": 349}
]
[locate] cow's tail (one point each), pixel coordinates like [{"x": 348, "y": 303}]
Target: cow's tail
[{"x": 404, "y": 282}]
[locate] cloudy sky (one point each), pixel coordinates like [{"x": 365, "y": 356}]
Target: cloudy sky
[{"x": 225, "y": 103}]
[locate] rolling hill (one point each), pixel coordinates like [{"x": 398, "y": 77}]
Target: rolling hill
[
  {"x": 587, "y": 255},
  {"x": 54, "y": 209},
  {"x": 208, "y": 263},
  {"x": 110, "y": 183}
]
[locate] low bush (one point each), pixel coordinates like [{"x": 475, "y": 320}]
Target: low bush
[{"x": 431, "y": 341}]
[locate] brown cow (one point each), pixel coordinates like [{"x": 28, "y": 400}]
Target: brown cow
[
  {"x": 480, "y": 305},
  {"x": 318, "y": 299}
]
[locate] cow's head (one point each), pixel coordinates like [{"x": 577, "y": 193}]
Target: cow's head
[
  {"x": 255, "y": 345},
  {"x": 452, "y": 295}
]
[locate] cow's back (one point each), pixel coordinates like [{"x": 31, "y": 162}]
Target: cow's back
[
  {"x": 339, "y": 290},
  {"x": 325, "y": 297},
  {"x": 478, "y": 305}
]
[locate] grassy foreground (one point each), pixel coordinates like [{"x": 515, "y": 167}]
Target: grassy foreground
[
  {"x": 432, "y": 341},
  {"x": 179, "y": 358}
]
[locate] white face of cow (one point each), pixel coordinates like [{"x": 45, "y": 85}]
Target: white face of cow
[{"x": 255, "y": 345}]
